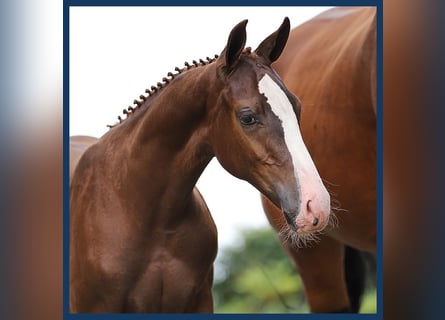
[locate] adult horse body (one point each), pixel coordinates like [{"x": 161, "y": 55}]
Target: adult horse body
[
  {"x": 330, "y": 62},
  {"x": 141, "y": 236}
]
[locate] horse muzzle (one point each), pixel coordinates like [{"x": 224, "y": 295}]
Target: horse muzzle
[{"x": 311, "y": 216}]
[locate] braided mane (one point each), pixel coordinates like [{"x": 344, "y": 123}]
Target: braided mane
[{"x": 154, "y": 89}]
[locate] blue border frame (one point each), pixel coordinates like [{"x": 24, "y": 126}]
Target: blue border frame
[
  {"x": 379, "y": 170},
  {"x": 379, "y": 271},
  {"x": 66, "y": 132},
  {"x": 234, "y": 3}
]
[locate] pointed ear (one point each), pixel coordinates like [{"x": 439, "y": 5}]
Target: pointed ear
[
  {"x": 234, "y": 47},
  {"x": 271, "y": 47}
]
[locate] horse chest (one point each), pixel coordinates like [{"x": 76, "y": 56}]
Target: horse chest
[{"x": 169, "y": 284}]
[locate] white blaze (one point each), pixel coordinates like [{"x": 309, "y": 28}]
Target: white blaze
[{"x": 304, "y": 167}]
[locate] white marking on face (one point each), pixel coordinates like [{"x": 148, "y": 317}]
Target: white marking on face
[{"x": 304, "y": 167}]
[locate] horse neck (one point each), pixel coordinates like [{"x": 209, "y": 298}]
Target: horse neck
[
  {"x": 370, "y": 45},
  {"x": 366, "y": 54},
  {"x": 164, "y": 151},
  {"x": 356, "y": 52}
]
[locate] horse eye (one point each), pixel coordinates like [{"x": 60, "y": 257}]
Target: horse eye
[{"x": 248, "y": 119}]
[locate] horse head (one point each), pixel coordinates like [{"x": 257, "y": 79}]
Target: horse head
[{"x": 255, "y": 132}]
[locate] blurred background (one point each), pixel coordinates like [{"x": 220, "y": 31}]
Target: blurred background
[
  {"x": 256, "y": 276},
  {"x": 31, "y": 157}
]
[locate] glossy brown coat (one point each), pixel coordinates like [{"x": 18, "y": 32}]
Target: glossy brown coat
[{"x": 330, "y": 63}]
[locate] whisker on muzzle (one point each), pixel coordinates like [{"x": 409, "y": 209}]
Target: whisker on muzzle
[
  {"x": 286, "y": 234},
  {"x": 335, "y": 203},
  {"x": 333, "y": 221}
]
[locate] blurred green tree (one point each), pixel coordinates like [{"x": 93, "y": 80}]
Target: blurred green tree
[{"x": 257, "y": 276}]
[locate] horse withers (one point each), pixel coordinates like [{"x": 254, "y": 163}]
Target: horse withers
[
  {"x": 141, "y": 236},
  {"x": 330, "y": 62}
]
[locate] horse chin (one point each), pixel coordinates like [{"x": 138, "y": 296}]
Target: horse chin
[{"x": 299, "y": 237}]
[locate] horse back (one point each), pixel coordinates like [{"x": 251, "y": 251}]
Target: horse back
[{"x": 78, "y": 145}]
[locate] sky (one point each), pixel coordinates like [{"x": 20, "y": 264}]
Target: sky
[{"x": 117, "y": 52}]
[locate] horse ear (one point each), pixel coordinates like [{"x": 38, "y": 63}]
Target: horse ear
[
  {"x": 235, "y": 45},
  {"x": 271, "y": 47}
]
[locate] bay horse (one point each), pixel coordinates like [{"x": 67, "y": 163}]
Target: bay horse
[
  {"x": 141, "y": 236},
  {"x": 330, "y": 62}
]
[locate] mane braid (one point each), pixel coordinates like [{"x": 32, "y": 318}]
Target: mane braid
[{"x": 154, "y": 89}]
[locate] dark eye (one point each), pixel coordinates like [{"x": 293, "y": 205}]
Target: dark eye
[{"x": 247, "y": 119}]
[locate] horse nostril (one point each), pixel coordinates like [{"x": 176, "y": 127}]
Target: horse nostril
[{"x": 315, "y": 222}]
